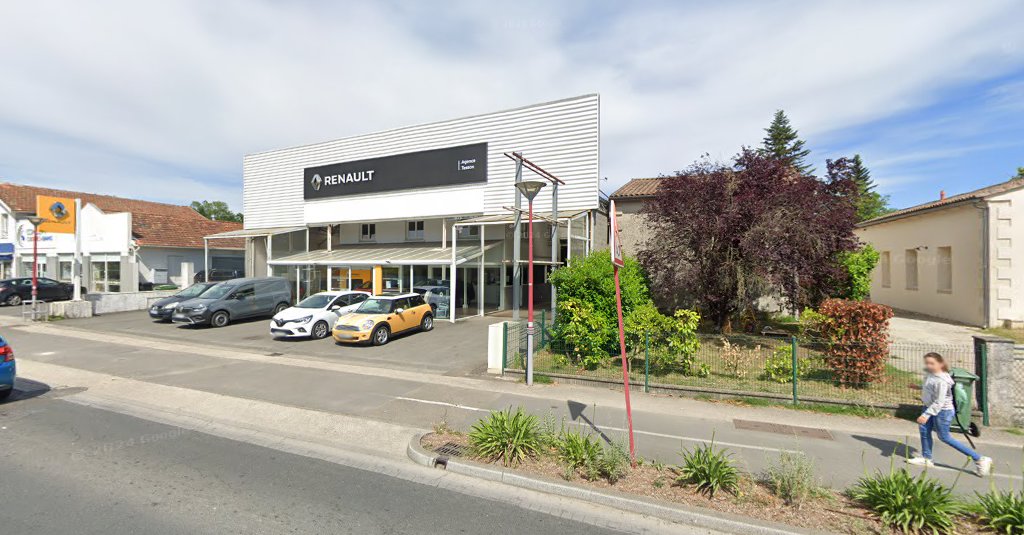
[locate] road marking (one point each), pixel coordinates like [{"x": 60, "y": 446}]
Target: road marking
[
  {"x": 46, "y": 353},
  {"x": 606, "y": 428},
  {"x": 443, "y": 404}
]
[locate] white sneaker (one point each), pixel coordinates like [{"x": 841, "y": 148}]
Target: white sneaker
[
  {"x": 921, "y": 461},
  {"x": 984, "y": 466}
]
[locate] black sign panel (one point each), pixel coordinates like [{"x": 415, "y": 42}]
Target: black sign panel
[{"x": 430, "y": 168}]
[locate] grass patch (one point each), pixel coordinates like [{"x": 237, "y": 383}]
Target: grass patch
[
  {"x": 1015, "y": 431},
  {"x": 539, "y": 378},
  {"x": 826, "y": 408},
  {"x": 1017, "y": 335}
]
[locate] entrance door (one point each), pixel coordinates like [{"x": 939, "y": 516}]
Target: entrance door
[{"x": 174, "y": 270}]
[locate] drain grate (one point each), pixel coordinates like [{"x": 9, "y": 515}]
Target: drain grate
[
  {"x": 450, "y": 449},
  {"x": 782, "y": 429}
]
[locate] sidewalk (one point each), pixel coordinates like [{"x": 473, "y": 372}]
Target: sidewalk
[{"x": 416, "y": 401}]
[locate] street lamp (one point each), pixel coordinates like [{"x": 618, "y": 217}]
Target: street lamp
[
  {"x": 35, "y": 221},
  {"x": 529, "y": 189}
]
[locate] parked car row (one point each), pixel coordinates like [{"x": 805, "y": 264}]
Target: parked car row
[
  {"x": 350, "y": 316},
  {"x": 15, "y": 291}
]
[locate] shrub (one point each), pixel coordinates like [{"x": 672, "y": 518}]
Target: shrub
[
  {"x": 855, "y": 334},
  {"x": 582, "y": 333},
  {"x": 673, "y": 339},
  {"x": 507, "y": 436},
  {"x": 791, "y": 478},
  {"x": 612, "y": 464},
  {"x": 912, "y": 504},
  {"x": 1001, "y": 512},
  {"x": 779, "y": 366},
  {"x": 710, "y": 469},
  {"x": 737, "y": 359},
  {"x": 576, "y": 450},
  {"x": 858, "y": 265}
]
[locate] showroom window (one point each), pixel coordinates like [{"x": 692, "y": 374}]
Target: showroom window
[
  {"x": 414, "y": 230},
  {"x": 469, "y": 232},
  {"x": 26, "y": 267},
  {"x": 106, "y": 276},
  {"x": 367, "y": 232},
  {"x": 64, "y": 270}
]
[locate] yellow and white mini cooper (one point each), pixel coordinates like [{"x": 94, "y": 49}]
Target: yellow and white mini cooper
[{"x": 380, "y": 316}]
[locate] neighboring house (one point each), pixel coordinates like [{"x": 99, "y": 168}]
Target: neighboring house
[
  {"x": 629, "y": 201},
  {"x": 959, "y": 258},
  {"x": 126, "y": 243}
]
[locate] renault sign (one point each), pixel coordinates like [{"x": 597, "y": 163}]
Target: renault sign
[{"x": 450, "y": 166}]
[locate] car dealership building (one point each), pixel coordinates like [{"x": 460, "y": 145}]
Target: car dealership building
[{"x": 430, "y": 205}]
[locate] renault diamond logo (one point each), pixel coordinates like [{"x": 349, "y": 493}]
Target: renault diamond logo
[
  {"x": 59, "y": 211},
  {"x": 316, "y": 182}
]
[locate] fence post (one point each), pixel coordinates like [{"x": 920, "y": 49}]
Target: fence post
[
  {"x": 504, "y": 346},
  {"x": 647, "y": 361},
  {"x": 793, "y": 345},
  {"x": 542, "y": 324},
  {"x": 983, "y": 384}
]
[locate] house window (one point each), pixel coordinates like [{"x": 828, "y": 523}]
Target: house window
[
  {"x": 106, "y": 276},
  {"x": 26, "y": 267},
  {"x": 945, "y": 269},
  {"x": 885, "y": 266},
  {"x": 910, "y": 260},
  {"x": 414, "y": 230},
  {"x": 4, "y": 223},
  {"x": 469, "y": 232},
  {"x": 367, "y": 232},
  {"x": 64, "y": 270}
]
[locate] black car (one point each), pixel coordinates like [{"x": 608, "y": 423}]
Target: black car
[
  {"x": 163, "y": 308},
  {"x": 14, "y": 291},
  {"x": 219, "y": 275}
]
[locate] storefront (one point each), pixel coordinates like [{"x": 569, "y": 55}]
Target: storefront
[{"x": 430, "y": 208}]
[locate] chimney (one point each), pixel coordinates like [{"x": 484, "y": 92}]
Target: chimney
[{"x": 942, "y": 195}]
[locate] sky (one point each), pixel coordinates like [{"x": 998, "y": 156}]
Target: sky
[{"x": 162, "y": 99}]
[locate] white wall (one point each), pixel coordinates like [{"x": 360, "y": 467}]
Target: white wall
[
  {"x": 102, "y": 233},
  {"x": 1006, "y": 259},
  {"x": 562, "y": 136},
  {"x": 957, "y": 227}
]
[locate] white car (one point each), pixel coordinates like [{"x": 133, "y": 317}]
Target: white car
[{"x": 314, "y": 316}]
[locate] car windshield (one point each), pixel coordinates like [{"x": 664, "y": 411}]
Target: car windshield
[
  {"x": 218, "y": 291},
  {"x": 420, "y": 291},
  {"x": 315, "y": 301},
  {"x": 375, "y": 306},
  {"x": 194, "y": 291}
]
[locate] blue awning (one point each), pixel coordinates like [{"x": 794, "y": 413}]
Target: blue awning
[{"x": 6, "y": 248}]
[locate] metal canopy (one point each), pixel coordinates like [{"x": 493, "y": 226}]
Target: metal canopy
[
  {"x": 510, "y": 218},
  {"x": 252, "y": 232},
  {"x": 416, "y": 254}
]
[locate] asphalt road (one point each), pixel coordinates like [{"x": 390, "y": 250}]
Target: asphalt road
[{"x": 68, "y": 468}]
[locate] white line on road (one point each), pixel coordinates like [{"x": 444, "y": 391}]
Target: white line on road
[
  {"x": 46, "y": 353},
  {"x": 606, "y": 428}
]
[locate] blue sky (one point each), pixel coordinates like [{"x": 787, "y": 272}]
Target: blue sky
[{"x": 161, "y": 99}]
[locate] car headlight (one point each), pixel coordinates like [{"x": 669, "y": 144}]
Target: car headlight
[
  {"x": 366, "y": 325},
  {"x": 304, "y": 319},
  {"x": 169, "y": 306},
  {"x": 199, "y": 308}
]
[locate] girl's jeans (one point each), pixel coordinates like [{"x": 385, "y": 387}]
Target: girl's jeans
[{"x": 940, "y": 423}]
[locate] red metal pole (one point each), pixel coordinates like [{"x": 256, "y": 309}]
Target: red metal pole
[
  {"x": 35, "y": 264},
  {"x": 625, "y": 368},
  {"x": 529, "y": 317}
]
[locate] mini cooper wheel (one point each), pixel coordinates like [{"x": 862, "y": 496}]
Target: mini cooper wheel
[
  {"x": 428, "y": 323},
  {"x": 219, "y": 319},
  {"x": 320, "y": 330},
  {"x": 280, "y": 308},
  {"x": 14, "y": 300},
  {"x": 380, "y": 335}
]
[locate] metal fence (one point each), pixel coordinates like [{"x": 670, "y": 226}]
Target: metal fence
[
  {"x": 741, "y": 365},
  {"x": 1018, "y": 384}
]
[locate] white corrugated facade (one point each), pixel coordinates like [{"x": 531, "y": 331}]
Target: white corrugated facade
[{"x": 562, "y": 136}]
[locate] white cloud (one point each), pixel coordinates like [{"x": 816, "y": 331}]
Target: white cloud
[{"x": 133, "y": 96}]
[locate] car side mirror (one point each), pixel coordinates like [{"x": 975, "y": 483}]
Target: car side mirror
[
  {"x": 399, "y": 311},
  {"x": 335, "y": 308}
]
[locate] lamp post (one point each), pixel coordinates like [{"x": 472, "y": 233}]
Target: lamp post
[
  {"x": 529, "y": 189},
  {"x": 36, "y": 221}
]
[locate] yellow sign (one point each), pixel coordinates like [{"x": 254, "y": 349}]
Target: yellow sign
[{"x": 58, "y": 214}]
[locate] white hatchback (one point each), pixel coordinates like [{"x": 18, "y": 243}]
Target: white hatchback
[{"x": 314, "y": 316}]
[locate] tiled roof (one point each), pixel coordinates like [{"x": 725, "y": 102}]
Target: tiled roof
[
  {"x": 153, "y": 224},
  {"x": 982, "y": 193},
  {"x": 638, "y": 188}
]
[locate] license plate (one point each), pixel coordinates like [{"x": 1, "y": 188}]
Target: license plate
[{"x": 345, "y": 336}]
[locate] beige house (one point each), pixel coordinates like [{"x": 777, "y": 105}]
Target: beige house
[
  {"x": 629, "y": 201},
  {"x": 959, "y": 258}
]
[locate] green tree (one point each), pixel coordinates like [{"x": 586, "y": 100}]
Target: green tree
[
  {"x": 783, "y": 142},
  {"x": 1019, "y": 175},
  {"x": 870, "y": 203},
  {"x": 859, "y": 264},
  {"x": 216, "y": 210}
]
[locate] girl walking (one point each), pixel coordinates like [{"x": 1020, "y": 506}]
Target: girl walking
[{"x": 937, "y": 395}]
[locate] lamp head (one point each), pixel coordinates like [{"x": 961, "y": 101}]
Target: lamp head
[
  {"x": 529, "y": 188},
  {"x": 35, "y": 220}
]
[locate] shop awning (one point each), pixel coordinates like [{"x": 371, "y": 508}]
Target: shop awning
[
  {"x": 253, "y": 232},
  {"x": 408, "y": 254}
]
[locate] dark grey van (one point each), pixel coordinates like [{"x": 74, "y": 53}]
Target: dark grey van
[{"x": 235, "y": 299}]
